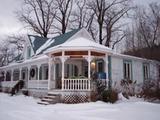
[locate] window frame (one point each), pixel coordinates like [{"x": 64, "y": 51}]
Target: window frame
[
  {"x": 127, "y": 69},
  {"x": 146, "y": 71}
]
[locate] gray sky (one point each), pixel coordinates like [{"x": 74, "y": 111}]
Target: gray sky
[{"x": 9, "y": 24}]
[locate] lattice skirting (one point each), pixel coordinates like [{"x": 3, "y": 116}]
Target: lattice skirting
[{"x": 76, "y": 98}]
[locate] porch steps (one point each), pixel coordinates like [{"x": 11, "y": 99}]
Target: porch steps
[
  {"x": 43, "y": 103},
  {"x": 51, "y": 98}
]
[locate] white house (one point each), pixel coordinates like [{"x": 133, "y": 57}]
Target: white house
[{"x": 65, "y": 64}]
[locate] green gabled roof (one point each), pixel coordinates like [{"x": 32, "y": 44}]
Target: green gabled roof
[
  {"x": 40, "y": 41},
  {"x": 37, "y": 42}
]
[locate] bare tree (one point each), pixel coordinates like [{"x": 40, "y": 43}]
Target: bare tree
[
  {"x": 107, "y": 15},
  {"x": 18, "y": 41},
  {"x": 114, "y": 30},
  {"x": 83, "y": 17},
  {"x": 145, "y": 31},
  {"x": 6, "y": 54},
  {"x": 64, "y": 9},
  {"x": 38, "y": 15},
  {"x": 143, "y": 38},
  {"x": 79, "y": 15},
  {"x": 148, "y": 25}
]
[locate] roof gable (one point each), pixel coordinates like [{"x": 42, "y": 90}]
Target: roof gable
[
  {"x": 40, "y": 44},
  {"x": 36, "y": 42}
]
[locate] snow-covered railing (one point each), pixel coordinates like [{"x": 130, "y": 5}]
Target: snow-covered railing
[
  {"x": 38, "y": 84},
  {"x": 8, "y": 83},
  {"x": 76, "y": 84}
]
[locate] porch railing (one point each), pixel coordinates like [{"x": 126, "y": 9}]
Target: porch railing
[
  {"x": 42, "y": 84},
  {"x": 76, "y": 84}
]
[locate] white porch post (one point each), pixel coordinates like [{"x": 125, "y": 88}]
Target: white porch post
[
  {"x": 49, "y": 72},
  {"x": 62, "y": 60},
  {"x": 5, "y": 75},
  {"x": 38, "y": 67},
  {"x": 106, "y": 68},
  {"x": 29, "y": 67},
  {"x": 11, "y": 75},
  {"x": 89, "y": 68},
  {"x": 89, "y": 64},
  {"x": 20, "y": 72},
  {"x": 54, "y": 74}
]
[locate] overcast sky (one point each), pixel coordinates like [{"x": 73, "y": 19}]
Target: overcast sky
[{"x": 9, "y": 24}]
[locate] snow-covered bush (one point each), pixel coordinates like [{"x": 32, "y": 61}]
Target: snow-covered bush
[
  {"x": 151, "y": 89},
  {"x": 138, "y": 90},
  {"x": 102, "y": 93},
  {"x": 98, "y": 86},
  {"x": 110, "y": 96},
  {"x": 126, "y": 87},
  {"x": 94, "y": 96}
]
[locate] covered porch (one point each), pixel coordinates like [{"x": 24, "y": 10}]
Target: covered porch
[{"x": 75, "y": 70}]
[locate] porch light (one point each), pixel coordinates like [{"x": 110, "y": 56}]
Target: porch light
[{"x": 93, "y": 65}]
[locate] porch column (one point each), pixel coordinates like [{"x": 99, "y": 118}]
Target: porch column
[
  {"x": 49, "y": 72},
  {"x": 54, "y": 74},
  {"x": 106, "y": 68},
  {"x": 38, "y": 67},
  {"x": 20, "y": 72},
  {"x": 11, "y": 75},
  {"x": 89, "y": 64},
  {"x": 29, "y": 67},
  {"x": 89, "y": 68},
  {"x": 62, "y": 60},
  {"x": 5, "y": 75}
]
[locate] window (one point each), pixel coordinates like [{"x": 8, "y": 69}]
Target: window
[
  {"x": 28, "y": 52},
  {"x": 23, "y": 75},
  {"x": 100, "y": 66},
  {"x": 127, "y": 66},
  {"x": 67, "y": 71},
  {"x": 16, "y": 74},
  {"x": 43, "y": 72},
  {"x": 2, "y": 76},
  {"x": 57, "y": 70},
  {"x": 75, "y": 70},
  {"x": 8, "y": 76},
  {"x": 146, "y": 71}
]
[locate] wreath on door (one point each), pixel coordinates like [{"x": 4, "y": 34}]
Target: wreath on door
[{"x": 32, "y": 72}]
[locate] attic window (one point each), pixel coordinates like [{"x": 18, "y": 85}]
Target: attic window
[{"x": 28, "y": 52}]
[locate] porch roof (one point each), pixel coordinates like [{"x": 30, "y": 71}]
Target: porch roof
[
  {"x": 80, "y": 43},
  {"x": 36, "y": 59}
]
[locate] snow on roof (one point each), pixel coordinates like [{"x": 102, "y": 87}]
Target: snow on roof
[
  {"x": 45, "y": 45},
  {"x": 129, "y": 56},
  {"x": 80, "y": 42},
  {"x": 31, "y": 60}
]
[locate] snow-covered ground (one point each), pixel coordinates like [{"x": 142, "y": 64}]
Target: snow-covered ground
[{"x": 26, "y": 108}]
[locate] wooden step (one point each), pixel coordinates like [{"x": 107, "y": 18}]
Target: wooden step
[
  {"x": 53, "y": 94},
  {"x": 43, "y": 103},
  {"x": 51, "y": 98},
  {"x": 46, "y": 99}
]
